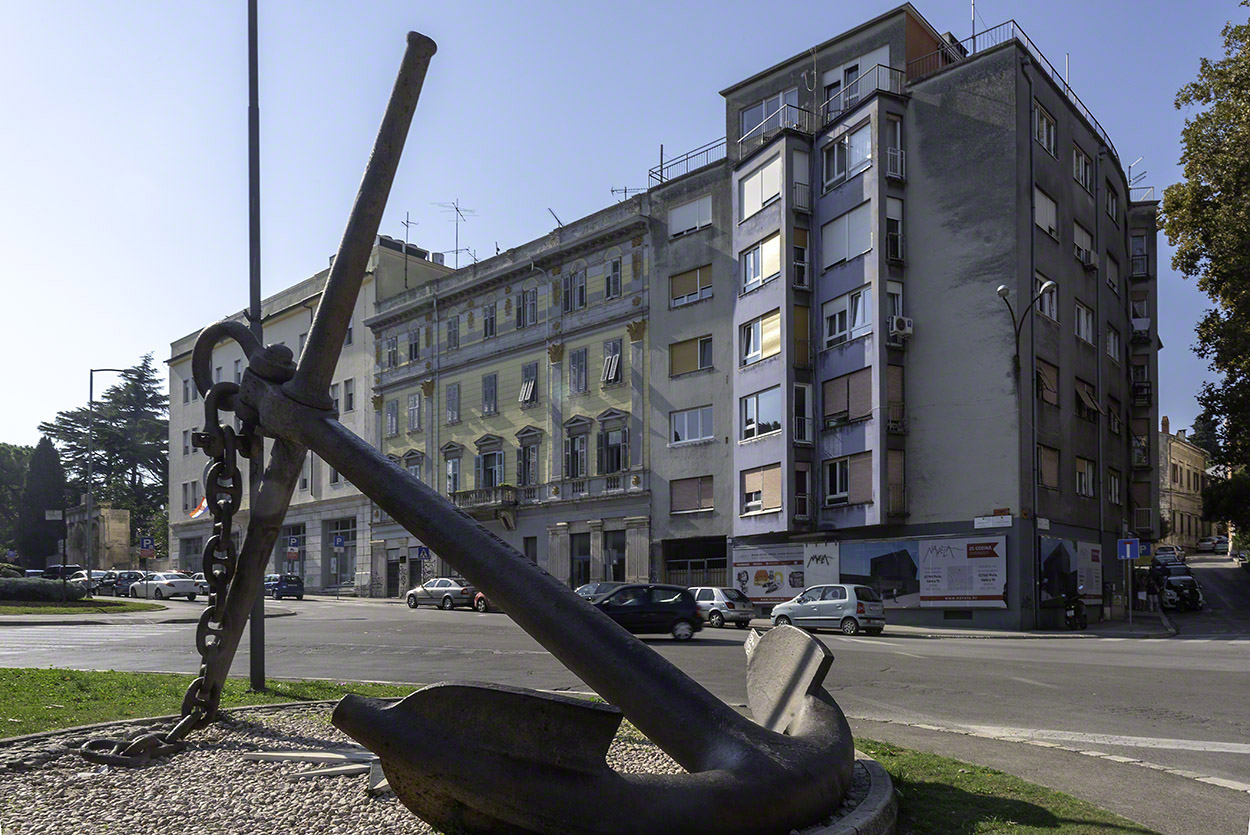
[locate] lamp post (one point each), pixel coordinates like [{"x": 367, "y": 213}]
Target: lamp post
[
  {"x": 1003, "y": 292},
  {"x": 90, "y": 461}
]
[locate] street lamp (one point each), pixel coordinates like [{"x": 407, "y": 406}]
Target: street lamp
[
  {"x": 90, "y": 468},
  {"x": 1003, "y": 292}
]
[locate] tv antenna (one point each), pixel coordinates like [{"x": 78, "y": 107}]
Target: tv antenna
[
  {"x": 626, "y": 190},
  {"x": 458, "y": 214},
  {"x": 408, "y": 224},
  {"x": 1134, "y": 179},
  {"x": 557, "y": 217}
]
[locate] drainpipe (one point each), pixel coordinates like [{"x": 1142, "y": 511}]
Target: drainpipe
[
  {"x": 1098, "y": 187},
  {"x": 552, "y": 454},
  {"x": 1035, "y": 569}
]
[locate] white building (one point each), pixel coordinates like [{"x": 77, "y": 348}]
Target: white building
[{"x": 324, "y": 505}]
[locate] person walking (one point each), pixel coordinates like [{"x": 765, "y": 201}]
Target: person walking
[{"x": 1152, "y": 594}]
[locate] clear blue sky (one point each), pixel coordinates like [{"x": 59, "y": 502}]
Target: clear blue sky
[{"x": 123, "y": 223}]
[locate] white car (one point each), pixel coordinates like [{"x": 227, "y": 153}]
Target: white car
[
  {"x": 159, "y": 585},
  {"x": 200, "y": 581}
]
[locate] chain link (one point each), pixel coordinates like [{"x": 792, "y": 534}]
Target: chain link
[{"x": 223, "y": 484}]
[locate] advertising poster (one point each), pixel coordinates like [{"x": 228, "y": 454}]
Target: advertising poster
[
  {"x": 820, "y": 563},
  {"x": 769, "y": 576},
  {"x": 1089, "y": 571},
  {"x": 889, "y": 566},
  {"x": 964, "y": 573},
  {"x": 1058, "y": 559}
]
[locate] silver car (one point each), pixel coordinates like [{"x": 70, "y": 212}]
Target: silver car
[
  {"x": 719, "y": 606},
  {"x": 443, "y": 592},
  {"x": 849, "y": 608}
]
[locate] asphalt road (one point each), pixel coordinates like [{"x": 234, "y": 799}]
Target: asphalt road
[{"x": 1179, "y": 703}]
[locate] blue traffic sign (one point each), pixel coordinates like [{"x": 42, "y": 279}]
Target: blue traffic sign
[
  {"x": 339, "y": 541},
  {"x": 292, "y": 542},
  {"x": 1128, "y": 549},
  {"x": 147, "y": 543},
  {"x": 423, "y": 552}
]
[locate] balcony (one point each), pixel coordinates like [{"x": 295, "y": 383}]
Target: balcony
[
  {"x": 1141, "y": 453},
  {"x": 1141, "y": 331},
  {"x": 803, "y": 430},
  {"x": 894, "y": 247},
  {"x": 485, "y": 497},
  {"x": 877, "y": 78},
  {"x": 802, "y": 507},
  {"x": 787, "y": 116},
  {"x": 802, "y": 353},
  {"x": 800, "y": 276},
  {"x": 687, "y": 162},
  {"x": 1139, "y": 266},
  {"x": 896, "y": 163},
  {"x": 896, "y": 419},
  {"x": 896, "y": 500},
  {"x": 1143, "y": 518},
  {"x": 803, "y": 197},
  {"x": 1143, "y": 392}
]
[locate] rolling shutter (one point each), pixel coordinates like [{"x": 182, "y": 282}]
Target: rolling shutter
[
  {"x": 683, "y": 357},
  {"x": 705, "y": 492},
  {"x": 770, "y": 334},
  {"x": 770, "y": 255},
  {"x": 859, "y": 393},
  {"x": 894, "y": 383},
  {"x": 835, "y": 396},
  {"x": 860, "y": 491},
  {"x": 684, "y": 284},
  {"x": 1049, "y": 466},
  {"x": 753, "y": 481},
  {"x": 685, "y": 494},
  {"x": 771, "y": 492}
]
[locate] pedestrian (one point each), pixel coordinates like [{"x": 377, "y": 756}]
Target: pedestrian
[{"x": 1152, "y": 594}]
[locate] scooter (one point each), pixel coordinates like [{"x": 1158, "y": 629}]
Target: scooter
[{"x": 1074, "y": 611}]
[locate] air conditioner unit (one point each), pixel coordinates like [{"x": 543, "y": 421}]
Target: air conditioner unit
[
  {"x": 1085, "y": 257},
  {"x": 900, "y": 326}
]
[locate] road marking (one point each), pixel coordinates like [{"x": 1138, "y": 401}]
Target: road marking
[
  {"x": 1023, "y": 680},
  {"x": 908, "y": 654},
  {"x": 1206, "y": 746},
  {"x": 866, "y": 640}
]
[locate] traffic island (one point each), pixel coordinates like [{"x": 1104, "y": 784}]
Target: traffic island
[{"x": 94, "y": 606}]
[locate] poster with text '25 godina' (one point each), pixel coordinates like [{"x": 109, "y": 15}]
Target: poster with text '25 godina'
[{"x": 966, "y": 573}]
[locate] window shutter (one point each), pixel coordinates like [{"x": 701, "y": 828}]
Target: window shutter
[
  {"x": 800, "y": 237},
  {"x": 625, "y": 448},
  {"x": 501, "y": 459},
  {"x": 835, "y": 396},
  {"x": 753, "y": 481},
  {"x": 683, "y": 284},
  {"x": 685, "y": 494},
  {"x": 895, "y": 467},
  {"x": 602, "y": 448},
  {"x": 859, "y": 393},
  {"x": 520, "y": 310},
  {"x": 705, "y": 492},
  {"x": 1050, "y": 467},
  {"x": 565, "y": 297},
  {"x": 860, "y": 491},
  {"x": 771, "y": 255},
  {"x": 520, "y": 466},
  {"x": 770, "y": 334},
  {"x": 683, "y": 357},
  {"x": 894, "y": 383},
  {"x": 568, "y": 458},
  {"x": 477, "y": 471},
  {"x": 771, "y": 494}
]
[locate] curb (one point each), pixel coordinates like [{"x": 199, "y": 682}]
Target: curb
[
  {"x": 877, "y": 814},
  {"x": 1168, "y": 631},
  {"x": 138, "y": 618}
]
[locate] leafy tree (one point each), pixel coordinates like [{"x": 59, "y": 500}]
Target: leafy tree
[
  {"x": 1205, "y": 218},
  {"x": 1228, "y": 500},
  {"x": 1205, "y": 433},
  {"x": 13, "y": 463},
  {"x": 45, "y": 490}
]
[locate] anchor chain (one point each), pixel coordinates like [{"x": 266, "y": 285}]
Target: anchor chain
[{"x": 223, "y": 486}]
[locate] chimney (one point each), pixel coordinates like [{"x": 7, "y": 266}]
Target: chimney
[
  {"x": 1180, "y": 434},
  {"x": 1165, "y": 424}
]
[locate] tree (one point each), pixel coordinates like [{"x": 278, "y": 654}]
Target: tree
[
  {"x": 13, "y": 463},
  {"x": 130, "y": 439},
  {"x": 45, "y": 490},
  {"x": 1205, "y": 433},
  {"x": 1205, "y": 218},
  {"x": 1228, "y": 500}
]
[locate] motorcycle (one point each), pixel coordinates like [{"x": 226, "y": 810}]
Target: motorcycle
[{"x": 1074, "y": 610}]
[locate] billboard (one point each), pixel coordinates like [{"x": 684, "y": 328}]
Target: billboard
[
  {"x": 964, "y": 573},
  {"x": 1068, "y": 564}
]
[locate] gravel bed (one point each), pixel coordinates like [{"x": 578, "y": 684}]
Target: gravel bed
[{"x": 46, "y": 787}]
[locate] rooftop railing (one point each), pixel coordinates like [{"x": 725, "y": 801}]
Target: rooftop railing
[
  {"x": 1141, "y": 193},
  {"x": 687, "y": 162},
  {"x": 879, "y": 77},
  {"x": 787, "y": 116},
  {"x": 951, "y": 54}
]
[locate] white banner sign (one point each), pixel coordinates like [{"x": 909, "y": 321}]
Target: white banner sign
[
  {"x": 820, "y": 563},
  {"x": 1089, "y": 571},
  {"x": 968, "y": 573}
]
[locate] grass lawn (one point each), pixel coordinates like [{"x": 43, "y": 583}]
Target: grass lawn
[
  {"x": 43, "y": 700},
  {"x": 950, "y": 797},
  {"x": 97, "y": 606}
]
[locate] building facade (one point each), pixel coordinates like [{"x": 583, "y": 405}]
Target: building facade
[
  {"x": 325, "y": 509},
  {"x": 1183, "y": 472}
]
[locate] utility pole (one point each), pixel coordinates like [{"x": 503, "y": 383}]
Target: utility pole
[{"x": 256, "y": 622}]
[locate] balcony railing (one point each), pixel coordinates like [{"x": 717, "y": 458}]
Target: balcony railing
[
  {"x": 896, "y": 163},
  {"x": 1141, "y": 330},
  {"x": 1143, "y": 393},
  {"x": 1141, "y": 193},
  {"x": 1139, "y": 266},
  {"x": 1143, "y": 518},
  {"x": 504, "y": 494},
  {"x": 803, "y": 197},
  {"x": 1141, "y": 453},
  {"x": 800, "y": 275},
  {"x": 803, "y": 430},
  {"x": 612, "y": 483},
  {"x": 951, "y": 54},
  {"x": 896, "y": 418},
  {"x": 577, "y": 487},
  {"x": 687, "y": 162},
  {"x": 787, "y": 116},
  {"x": 894, "y": 246},
  {"x": 531, "y": 494},
  {"x": 896, "y": 500},
  {"x": 879, "y": 77},
  {"x": 802, "y": 506},
  {"x": 802, "y": 353}
]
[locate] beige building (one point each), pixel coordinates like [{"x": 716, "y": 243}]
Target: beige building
[
  {"x": 1183, "y": 474},
  {"x": 111, "y": 528}
]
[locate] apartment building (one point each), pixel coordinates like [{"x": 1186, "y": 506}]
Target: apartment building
[
  {"x": 325, "y": 509},
  {"x": 1183, "y": 474}
]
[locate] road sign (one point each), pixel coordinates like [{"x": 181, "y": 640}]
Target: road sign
[
  {"x": 292, "y": 542},
  {"x": 423, "y": 553},
  {"x": 10, "y": 555},
  {"x": 147, "y": 547},
  {"x": 53, "y": 515},
  {"x": 1128, "y": 549},
  {"x": 339, "y": 540}
]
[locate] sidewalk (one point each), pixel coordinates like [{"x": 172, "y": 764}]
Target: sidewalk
[
  {"x": 1145, "y": 625},
  {"x": 182, "y": 614}
]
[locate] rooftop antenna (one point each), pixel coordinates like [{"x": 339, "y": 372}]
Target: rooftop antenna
[
  {"x": 974, "y": 26},
  {"x": 626, "y": 191},
  {"x": 458, "y": 214},
  {"x": 1135, "y": 179},
  {"x": 408, "y": 224},
  {"x": 557, "y": 217},
  {"x": 811, "y": 85}
]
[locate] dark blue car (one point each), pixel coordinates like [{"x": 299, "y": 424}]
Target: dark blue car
[{"x": 279, "y": 586}]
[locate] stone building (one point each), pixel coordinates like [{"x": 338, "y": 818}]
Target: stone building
[
  {"x": 111, "y": 528},
  {"x": 1183, "y": 473}
]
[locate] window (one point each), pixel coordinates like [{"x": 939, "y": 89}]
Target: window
[
  {"x": 1082, "y": 169},
  {"x": 334, "y": 476},
  {"x": 334, "y": 395},
  {"x": 1048, "y": 382},
  {"x": 1085, "y": 323},
  {"x": 848, "y": 317},
  {"x": 1113, "y": 415},
  {"x": 391, "y": 358},
  {"x": 613, "y": 450},
  {"x": 303, "y": 337},
  {"x": 577, "y": 371},
  {"x": 186, "y": 442},
  {"x": 761, "y": 413},
  {"x": 347, "y": 339},
  {"x": 1087, "y": 407},
  {"x": 489, "y": 469},
  {"x": 802, "y": 490},
  {"x": 761, "y": 338},
  {"x": 612, "y": 279},
  {"x": 1113, "y": 275},
  {"x": 1084, "y": 477},
  {"x": 490, "y": 403},
  {"x": 414, "y": 412},
  {"x": 1044, "y": 129},
  {"x": 527, "y": 308},
  {"x": 689, "y": 355},
  {"x": 1048, "y": 467},
  {"x": 1137, "y": 251},
  {"x": 1045, "y": 213},
  {"x": 1048, "y": 302},
  {"x": 691, "y": 425},
  {"x": 611, "y": 362},
  {"x": 687, "y": 495},
  {"x": 799, "y": 251},
  {"x": 1082, "y": 244},
  {"x": 453, "y": 402},
  {"x": 529, "y": 383},
  {"x": 1113, "y": 343},
  {"x": 575, "y": 456},
  {"x": 527, "y": 465},
  {"x": 761, "y": 489},
  {"x": 414, "y": 345},
  {"x": 848, "y": 155},
  {"x": 412, "y": 463},
  {"x": 759, "y": 188},
  {"x": 837, "y": 481},
  {"x": 453, "y": 331},
  {"x": 392, "y": 418},
  {"x": 767, "y": 115},
  {"x": 305, "y": 472},
  {"x": 238, "y": 371},
  {"x": 186, "y": 496},
  {"x": 186, "y": 391},
  {"x": 894, "y": 229},
  {"x": 802, "y": 413},
  {"x": 453, "y": 475},
  {"x": 488, "y": 320},
  {"x": 1139, "y": 307},
  {"x": 847, "y": 236},
  {"x": 1113, "y": 204},
  {"x": 217, "y": 370},
  {"x": 848, "y": 397},
  {"x": 690, "y": 286},
  {"x": 349, "y": 395},
  {"x": 573, "y": 296},
  {"x": 1114, "y": 489},
  {"x": 691, "y": 216},
  {"x": 761, "y": 263},
  {"x": 195, "y": 391}
]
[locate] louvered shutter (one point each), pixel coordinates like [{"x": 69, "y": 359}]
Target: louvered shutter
[
  {"x": 520, "y": 466},
  {"x": 625, "y": 448},
  {"x": 477, "y": 471},
  {"x": 603, "y": 444},
  {"x": 568, "y": 457}
]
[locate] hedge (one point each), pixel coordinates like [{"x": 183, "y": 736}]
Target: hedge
[{"x": 37, "y": 588}]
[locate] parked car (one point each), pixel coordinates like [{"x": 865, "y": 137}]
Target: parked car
[
  {"x": 162, "y": 584},
  {"x": 847, "y": 607},
  {"x": 200, "y": 581},
  {"x": 279, "y": 586},
  {"x": 123, "y": 581},
  {"x": 1170, "y": 550},
  {"x": 649, "y": 608},
  {"x": 1221, "y": 545},
  {"x": 482, "y": 604},
  {"x": 444, "y": 592},
  {"x": 1182, "y": 593},
  {"x": 34, "y": 572},
  {"x": 56, "y": 572},
  {"x": 719, "y": 606},
  {"x": 97, "y": 577},
  {"x": 1206, "y": 544},
  {"x": 592, "y": 590},
  {"x": 1175, "y": 569}
]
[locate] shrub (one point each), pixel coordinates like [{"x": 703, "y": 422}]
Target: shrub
[
  {"x": 37, "y": 588},
  {"x": 7, "y": 567}
]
